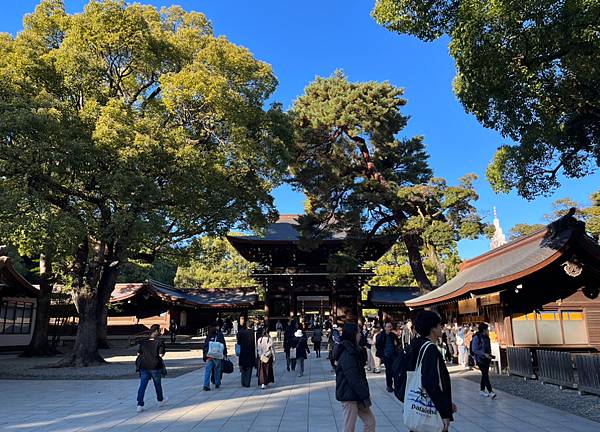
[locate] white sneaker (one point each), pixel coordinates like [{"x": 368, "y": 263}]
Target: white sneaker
[
  {"x": 492, "y": 395},
  {"x": 163, "y": 402},
  {"x": 484, "y": 394},
  {"x": 263, "y": 386},
  {"x": 140, "y": 408}
]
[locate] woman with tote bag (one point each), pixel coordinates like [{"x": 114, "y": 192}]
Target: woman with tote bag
[
  {"x": 266, "y": 357},
  {"x": 428, "y": 405}
]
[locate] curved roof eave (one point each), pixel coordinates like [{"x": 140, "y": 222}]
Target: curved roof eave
[{"x": 477, "y": 286}]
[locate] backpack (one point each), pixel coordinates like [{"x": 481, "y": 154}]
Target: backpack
[{"x": 399, "y": 369}]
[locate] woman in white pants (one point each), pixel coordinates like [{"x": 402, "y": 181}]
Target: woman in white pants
[{"x": 372, "y": 357}]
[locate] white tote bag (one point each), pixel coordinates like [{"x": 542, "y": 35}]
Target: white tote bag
[
  {"x": 420, "y": 415},
  {"x": 215, "y": 350},
  {"x": 292, "y": 353}
]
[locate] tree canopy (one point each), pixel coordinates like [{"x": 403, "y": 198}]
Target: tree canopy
[
  {"x": 142, "y": 129},
  {"x": 360, "y": 177},
  {"x": 530, "y": 70},
  {"x": 215, "y": 263}
]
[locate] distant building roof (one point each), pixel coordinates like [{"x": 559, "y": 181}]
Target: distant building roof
[
  {"x": 397, "y": 296},
  {"x": 284, "y": 230},
  {"x": 12, "y": 283},
  {"x": 511, "y": 261},
  {"x": 195, "y": 298}
]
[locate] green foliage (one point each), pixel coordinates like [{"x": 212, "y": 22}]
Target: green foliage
[
  {"x": 523, "y": 229},
  {"x": 134, "y": 128},
  {"x": 215, "y": 264},
  {"x": 528, "y": 69},
  {"x": 160, "y": 270},
  {"x": 361, "y": 178}
]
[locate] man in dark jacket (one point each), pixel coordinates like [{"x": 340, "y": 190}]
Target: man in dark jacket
[
  {"x": 288, "y": 336},
  {"x": 387, "y": 344},
  {"x": 428, "y": 326},
  {"x": 247, "y": 359},
  {"x": 482, "y": 351},
  {"x": 351, "y": 385},
  {"x": 150, "y": 364}
]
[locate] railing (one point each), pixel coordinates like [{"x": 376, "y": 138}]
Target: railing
[
  {"x": 556, "y": 367},
  {"x": 520, "y": 362},
  {"x": 588, "y": 373}
]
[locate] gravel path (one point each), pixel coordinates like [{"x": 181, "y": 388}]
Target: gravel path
[
  {"x": 121, "y": 365},
  {"x": 587, "y": 406}
]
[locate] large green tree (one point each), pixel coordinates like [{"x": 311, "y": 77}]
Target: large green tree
[
  {"x": 215, "y": 263},
  {"x": 529, "y": 69},
  {"x": 360, "y": 177},
  {"x": 142, "y": 128}
]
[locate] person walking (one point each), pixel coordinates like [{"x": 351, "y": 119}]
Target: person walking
[
  {"x": 351, "y": 385},
  {"x": 482, "y": 350},
  {"x": 266, "y": 358},
  {"x": 469, "y": 333},
  {"x": 334, "y": 340},
  {"x": 387, "y": 349},
  {"x": 407, "y": 333},
  {"x": 287, "y": 340},
  {"x": 302, "y": 350},
  {"x": 376, "y": 360},
  {"x": 435, "y": 378},
  {"x": 364, "y": 342},
  {"x": 173, "y": 327},
  {"x": 246, "y": 339},
  {"x": 460, "y": 342},
  {"x": 215, "y": 350},
  {"x": 150, "y": 366},
  {"x": 279, "y": 328},
  {"x": 316, "y": 339}
]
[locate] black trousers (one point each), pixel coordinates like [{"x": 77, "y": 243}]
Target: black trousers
[
  {"x": 246, "y": 373},
  {"x": 317, "y": 346},
  {"x": 389, "y": 376},
  {"x": 485, "y": 376}
]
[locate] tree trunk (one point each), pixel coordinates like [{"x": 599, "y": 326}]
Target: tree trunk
[
  {"x": 103, "y": 327},
  {"x": 412, "y": 242},
  {"x": 440, "y": 267},
  {"x": 39, "y": 345},
  {"x": 85, "y": 352}
]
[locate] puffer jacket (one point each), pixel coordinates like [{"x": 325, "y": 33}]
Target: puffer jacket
[{"x": 351, "y": 379}]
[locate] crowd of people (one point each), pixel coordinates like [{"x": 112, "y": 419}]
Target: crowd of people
[{"x": 352, "y": 352}]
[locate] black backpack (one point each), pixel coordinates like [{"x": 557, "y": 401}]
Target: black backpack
[{"x": 399, "y": 368}]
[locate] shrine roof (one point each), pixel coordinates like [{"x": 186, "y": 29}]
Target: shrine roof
[
  {"x": 283, "y": 231},
  {"x": 197, "y": 298},
  {"x": 12, "y": 283},
  {"x": 511, "y": 262},
  {"x": 391, "y": 295}
]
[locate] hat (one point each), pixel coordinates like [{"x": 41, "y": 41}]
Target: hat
[{"x": 298, "y": 333}]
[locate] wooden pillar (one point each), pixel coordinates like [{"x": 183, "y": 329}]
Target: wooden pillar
[
  {"x": 380, "y": 315},
  {"x": 292, "y": 298}
]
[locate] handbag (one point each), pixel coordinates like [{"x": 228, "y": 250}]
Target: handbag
[
  {"x": 227, "y": 366},
  {"x": 419, "y": 413},
  {"x": 292, "y": 353},
  {"x": 265, "y": 358}
]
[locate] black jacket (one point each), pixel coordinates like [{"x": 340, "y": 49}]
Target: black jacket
[
  {"x": 214, "y": 337},
  {"x": 431, "y": 363},
  {"x": 380, "y": 343},
  {"x": 288, "y": 336},
  {"x": 351, "y": 379},
  {"x": 246, "y": 341},
  {"x": 301, "y": 345}
]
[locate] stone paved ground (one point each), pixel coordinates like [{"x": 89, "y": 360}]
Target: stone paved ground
[{"x": 293, "y": 404}]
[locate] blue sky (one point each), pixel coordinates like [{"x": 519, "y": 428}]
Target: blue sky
[{"x": 314, "y": 37}]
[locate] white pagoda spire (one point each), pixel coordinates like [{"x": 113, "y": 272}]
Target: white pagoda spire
[{"x": 498, "y": 239}]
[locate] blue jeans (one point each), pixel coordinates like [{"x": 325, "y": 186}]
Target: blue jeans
[
  {"x": 212, "y": 366},
  {"x": 145, "y": 376}
]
